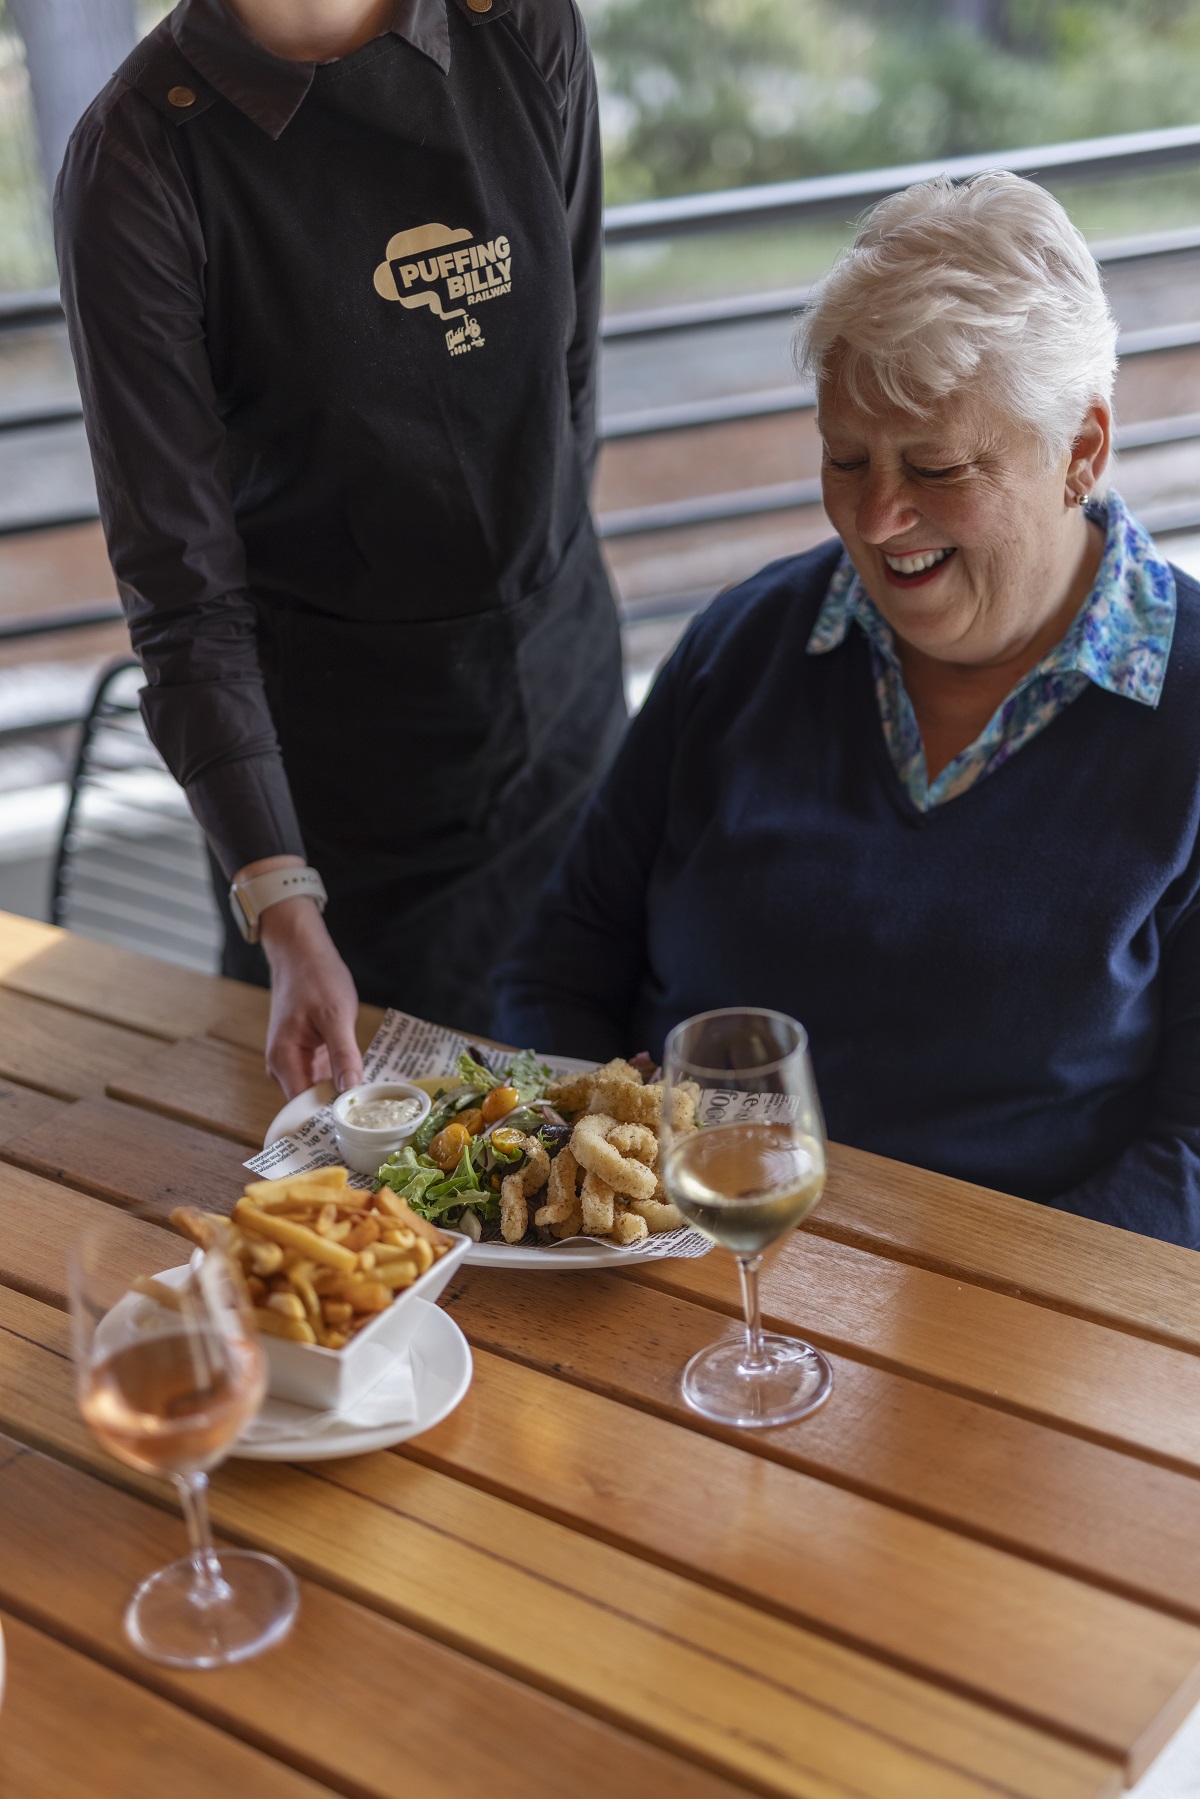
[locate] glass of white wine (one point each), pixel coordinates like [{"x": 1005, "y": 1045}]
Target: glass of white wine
[
  {"x": 168, "y": 1373},
  {"x": 752, "y": 1170}
]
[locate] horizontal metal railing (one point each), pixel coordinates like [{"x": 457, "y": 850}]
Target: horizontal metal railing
[
  {"x": 72, "y": 618},
  {"x": 18, "y": 312},
  {"x": 829, "y": 196}
]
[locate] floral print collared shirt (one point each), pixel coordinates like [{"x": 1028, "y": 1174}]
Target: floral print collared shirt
[{"x": 1120, "y": 640}]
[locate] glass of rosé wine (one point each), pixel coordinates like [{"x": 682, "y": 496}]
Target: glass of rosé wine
[{"x": 168, "y": 1373}]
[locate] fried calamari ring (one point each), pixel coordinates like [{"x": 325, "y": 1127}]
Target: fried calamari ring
[
  {"x": 660, "y": 1215},
  {"x": 535, "y": 1171},
  {"x": 514, "y": 1209},
  {"x": 576, "y": 1092},
  {"x": 637, "y": 1141},
  {"x": 561, "y": 1196},
  {"x": 644, "y": 1105},
  {"x": 627, "y": 1104},
  {"x": 516, "y": 1187},
  {"x": 570, "y": 1227},
  {"x": 596, "y": 1203},
  {"x": 629, "y": 1228},
  {"x": 572, "y": 1093},
  {"x": 593, "y": 1151},
  {"x": 685, "y": 1105}
]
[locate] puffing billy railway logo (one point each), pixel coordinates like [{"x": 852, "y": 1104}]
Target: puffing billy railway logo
[{"x": 469, "y": 272}]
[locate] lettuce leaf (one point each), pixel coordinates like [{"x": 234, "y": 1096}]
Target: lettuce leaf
[
  {"x": 528, "y": 1076},
  {"x": 431, "y": 1192},
  {"x": 524, "y": 1072},
  {"x": 477, "y": 1074}
]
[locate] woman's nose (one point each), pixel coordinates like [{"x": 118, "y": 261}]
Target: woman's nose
[{"x": 884, "y": 509}]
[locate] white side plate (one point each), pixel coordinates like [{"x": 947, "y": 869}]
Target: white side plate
[
  {"x": 441, "y": 1362},
  {"x": 298, "y": 1111}
]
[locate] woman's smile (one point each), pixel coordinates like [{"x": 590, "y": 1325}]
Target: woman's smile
[{"x": 914, "y": 568}]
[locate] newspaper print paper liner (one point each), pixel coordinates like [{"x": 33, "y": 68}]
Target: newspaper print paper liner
[{"x": 405, "y": 1047}]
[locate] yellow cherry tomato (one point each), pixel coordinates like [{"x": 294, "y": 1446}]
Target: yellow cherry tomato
[
  {"x": 471, "y": 1120},
  {"x": 507, "y": 1142},
  {"x": 447, "y": 1147},
  {"x": 500, "y": 1100}
]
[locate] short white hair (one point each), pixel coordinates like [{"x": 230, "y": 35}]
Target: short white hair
[{"x": 983, "y": 285}]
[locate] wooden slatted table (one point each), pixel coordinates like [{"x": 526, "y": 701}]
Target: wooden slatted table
[{"x": 975, "y": 1573}]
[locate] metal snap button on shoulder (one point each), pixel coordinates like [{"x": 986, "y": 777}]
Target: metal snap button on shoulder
[
  {"x": 480, "y": 5},
  {"x": 183, "y": 96}
]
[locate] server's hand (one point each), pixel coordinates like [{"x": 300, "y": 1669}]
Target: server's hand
[{"x": 314, "y": 1004}]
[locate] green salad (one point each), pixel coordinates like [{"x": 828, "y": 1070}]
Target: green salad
[{"x": 450, "y": 1170}]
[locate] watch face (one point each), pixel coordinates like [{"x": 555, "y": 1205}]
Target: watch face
[{"x": 245, "y": 920}]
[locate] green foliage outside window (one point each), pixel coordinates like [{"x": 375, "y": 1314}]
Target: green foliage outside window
[{"x": 702, "y": 94}]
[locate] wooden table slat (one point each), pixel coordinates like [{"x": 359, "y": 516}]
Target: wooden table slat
[
  {"x": 133, "y": 1158},
  {"x": 1125, "y": 1391},
  {"x": 42, "y": 1218},
  {"x": 215, "y": 1086},
  {"x": 663, "y": 1658},
  {"x": 802, "y": 1549},
  {"x": 72, "y": 1730},
  {"x": 414, "y": 1717},
  {"x": 1075, "y": 1265},
  {"x": 81, "y": 975},
  {"x": 1020, "y": 1485},
  {"x": 66, "y": 1057},
  {"x": 22, "y": 1109}
]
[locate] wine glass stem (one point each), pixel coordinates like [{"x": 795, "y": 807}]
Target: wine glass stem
[
  {"x": 756, "y": 1361},
  {"x": 209, "y": 1586}
]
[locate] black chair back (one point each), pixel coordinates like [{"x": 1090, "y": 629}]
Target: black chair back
[{"x": 132, "y": 865}]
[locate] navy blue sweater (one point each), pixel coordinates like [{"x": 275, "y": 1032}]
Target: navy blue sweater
[{"x": 1005, "y": 988}]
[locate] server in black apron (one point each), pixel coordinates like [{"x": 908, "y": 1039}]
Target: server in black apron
[{"x": 331, "y": 272}]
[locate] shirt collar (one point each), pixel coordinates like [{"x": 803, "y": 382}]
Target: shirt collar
[
  {"x": 1120, "y": 638},
  {"x": 269, "y": 89}
]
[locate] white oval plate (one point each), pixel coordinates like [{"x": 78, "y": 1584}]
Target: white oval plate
[
  {"x": 575, "y": 1252},
  {"x": 298, "y": 1111},
  {"x": 442, "y": 1368}
]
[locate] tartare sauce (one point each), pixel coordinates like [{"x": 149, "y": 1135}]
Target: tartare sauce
[{"x": 381, "y": 1114}]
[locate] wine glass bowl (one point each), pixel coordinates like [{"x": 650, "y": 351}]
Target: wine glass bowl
[
  {"x": 743, "y": 1157},
  {"x": 168, "y": 1373}
]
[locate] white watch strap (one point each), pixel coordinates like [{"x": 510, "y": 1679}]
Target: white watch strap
[{"x": 252, "y": 898}]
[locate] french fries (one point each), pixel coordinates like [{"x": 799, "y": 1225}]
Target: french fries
[{"x": 321, "y": 1259}]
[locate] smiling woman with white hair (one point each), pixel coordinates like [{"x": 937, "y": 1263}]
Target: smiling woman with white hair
[{"x": 934, "y": 787}]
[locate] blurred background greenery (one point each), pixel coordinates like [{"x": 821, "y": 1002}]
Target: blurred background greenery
[
  {"x": 703, "y": 94},
  {"x": 26, "y": 249}
]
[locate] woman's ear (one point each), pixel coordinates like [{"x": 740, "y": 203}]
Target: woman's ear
[{"x": 1091, "y": 450}]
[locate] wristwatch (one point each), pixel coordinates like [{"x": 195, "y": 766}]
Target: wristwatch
[{"x": 248, "y": 900}]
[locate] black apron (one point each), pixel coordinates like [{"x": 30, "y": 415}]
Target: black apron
[{"x": 389, "y": 300}]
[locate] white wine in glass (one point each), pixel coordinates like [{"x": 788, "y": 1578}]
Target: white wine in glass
[
  {"x": 752, "y": 1170},
  {"x": 169, "y": 1372}
]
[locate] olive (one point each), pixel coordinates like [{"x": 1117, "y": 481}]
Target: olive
[
  {"x": 447, "y": 1147},
  {"x": 499, "y": 1102}
]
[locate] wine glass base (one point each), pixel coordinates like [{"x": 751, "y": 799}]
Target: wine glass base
[
  {"x": 796, "y": 1380},
  {"x": 256, "y": 1609}
]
